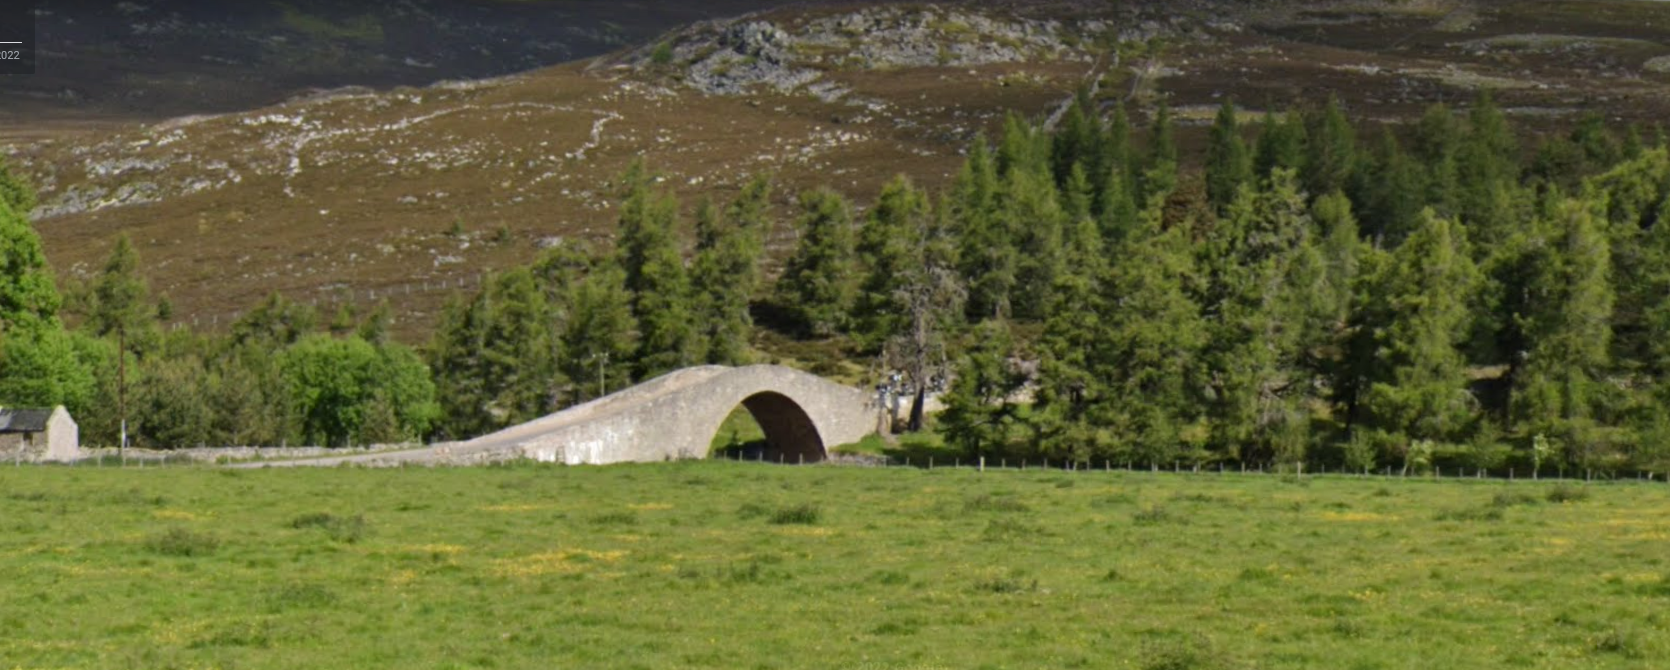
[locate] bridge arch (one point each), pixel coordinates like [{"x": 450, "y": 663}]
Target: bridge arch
[
  {"x": 790, "y": 434},
  {"x": 677, "y": 415}
]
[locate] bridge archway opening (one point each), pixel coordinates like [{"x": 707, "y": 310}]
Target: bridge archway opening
[{"x": 771, "y": 427}]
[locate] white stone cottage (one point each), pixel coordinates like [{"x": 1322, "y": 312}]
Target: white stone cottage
[{"x": 36, "y": 435}]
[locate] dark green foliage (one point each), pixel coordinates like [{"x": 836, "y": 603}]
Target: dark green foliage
[
  {"x": 888, "y": 250},
  {"x": 806, "y": 514},
  {"x": 1030, "y": 207},
  {"x": 980, "y": 409},
  {"x": 725, "y": 273},
  {"x": 656, "y": 277},
  {"x": 1390, "y": 191},
  {"x": 1265, "y": 317},
  {"x": 121, "y": 301},
  {"x": 1331, "y": 151},
  {"x": 1228, "y": 164},
  {"x": 1567, "y": 331},
  {"x": 986, "y": 246},
  {"x": 598, "y": 339},
  {"x": 817, "y": 281},
  {"x": 1281, "y": 144},
  {"x": 495, "y": 355},
  {"x": 1159, "y": 175}
]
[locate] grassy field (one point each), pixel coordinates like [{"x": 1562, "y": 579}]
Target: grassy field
[{"x": 728, "y": 565}]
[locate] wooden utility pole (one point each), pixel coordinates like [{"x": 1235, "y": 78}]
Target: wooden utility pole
[{"x": 122, "y": 390}]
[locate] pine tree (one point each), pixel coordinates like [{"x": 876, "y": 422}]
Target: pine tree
[
  {"x": 1228, "y": 164},
  {"x": 457, "y": 357},
  {"x": 274, "y": 324},
  {"x": 1151, "y": 362},
  {"x": 816, "y": 283},
  {"x": 1022, "y": 148},
  {"x": 1031, "y": 208},
  {"x": 599, "y": 340},
  {"x": 656, "y": 276},
  {"x": 1281, "y": 144},
  {"x": 1487, "y": 158},
  {"x": 1159, "y": 175},
  {"x": 725, "y": 272},
  {"x": 888, "y": 249},
  {"x": 1116, "y": 175},
  {"x": 1423, "y": 392},
  {"x": 931, "y": 295},
  {"x": 1068, "y": 383},
  {"x": 1392, "y": 194},
  {"x": 1074, "y": 143},
  {"x": 1119, "y": 215},
  {"x": 121, "y": 300},
  {"x": 1331, "y": 157},
  {"x": 986, "y": 248},
  {"x": 518, "y": 359},
  {"x": 980, "y": 413}
]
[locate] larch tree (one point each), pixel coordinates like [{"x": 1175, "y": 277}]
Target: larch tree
[
  {"x": 1421, "y": 392},
  {"x": 1568, "y": 333}
]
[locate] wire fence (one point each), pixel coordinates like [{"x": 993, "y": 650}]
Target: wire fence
[{"x": 980, "y": 464}]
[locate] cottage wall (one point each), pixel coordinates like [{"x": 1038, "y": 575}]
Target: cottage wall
[{"x": 63, "y": 437}]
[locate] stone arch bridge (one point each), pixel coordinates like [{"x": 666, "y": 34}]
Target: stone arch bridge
[{"x": 670, "y": 417}]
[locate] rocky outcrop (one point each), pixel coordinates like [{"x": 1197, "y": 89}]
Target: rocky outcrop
[{"x": 754, "y": 53}]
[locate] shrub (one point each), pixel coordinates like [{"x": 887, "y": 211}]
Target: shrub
[
  {"x": 804, "y": 513},
  {"x": 183, "y": 542},
  {"x": 663, "y": 54}
]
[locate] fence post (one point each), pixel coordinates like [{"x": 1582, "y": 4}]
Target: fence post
[{"x": 982, "y": 463}]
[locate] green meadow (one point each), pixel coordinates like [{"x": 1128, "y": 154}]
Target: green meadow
[{"x": 741, "y": 565}]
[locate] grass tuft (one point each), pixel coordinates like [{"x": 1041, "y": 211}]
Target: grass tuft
[
  {"x": 344, "y": 529},
  {"x": 804, "y": 514},
  {"x": 183, "y": 542},
  {"x": 987, "y": 502},
  {"x": 1154, "y": 515},
  {"x": 1564, "y": 493}
]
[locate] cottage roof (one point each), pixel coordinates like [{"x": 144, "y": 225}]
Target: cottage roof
[{"x": 24, "y": 420}]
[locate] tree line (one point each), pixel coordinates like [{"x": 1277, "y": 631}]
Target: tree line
[{"x": 1437, "y": 293}]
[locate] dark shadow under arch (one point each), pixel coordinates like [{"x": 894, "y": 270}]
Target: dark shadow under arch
[{"x": 790, "y": 435}]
